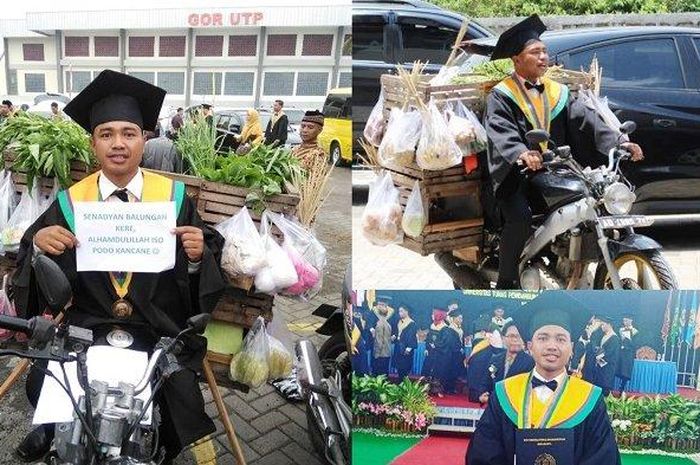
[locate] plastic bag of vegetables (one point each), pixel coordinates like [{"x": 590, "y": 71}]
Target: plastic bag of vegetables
[
  {"x": 244, "y": 250},
  {"x": 375, "y": 126},
  {"x": 437, "y": 149},
  {"x": 279, "y": 272},
  {"x": 279, "y": 359},
  {"x": 306, "y": 253},
  {"x": 250, "y": 365},
  {"x": 31, "y": 206},
  {"x": 399, "y": 143},
  {"x": 381, "y": 219},
  {"x": 8, "y": 198},
  {"x": 414, "y": 219}
]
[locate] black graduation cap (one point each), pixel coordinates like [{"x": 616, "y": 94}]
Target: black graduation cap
[
  {"x": 513, "y": 41},
  {"x": 455, "y": 313},
  {"x": 552, "y": 308},
  {"x": 114, "y": 96},
  {"x": 605, "y": 318},
  {"x": 206, "y": 106}
]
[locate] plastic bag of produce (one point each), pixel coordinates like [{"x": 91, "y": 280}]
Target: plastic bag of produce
[
  {"x": 244, "y": 250},
  {"x": 399, "y": 143},
  {"x": 381, "y": 219},
  {"x": 306, "y": 253},
  {"x": 250, "y": 365},
  {"x": 479, "y": 141},
  {"x": 374, "y": 128},
  {"x": 279, "y": 271},
  {"x": 8, "y": 198},
  {"x": 30, "y": 207},
  {"x": 437, "y": 149},
  {"x": 279, "y": 360},
  {"x": 414, "y": 218}
]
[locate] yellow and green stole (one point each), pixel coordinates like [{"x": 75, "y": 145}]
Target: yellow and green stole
[
  {"x": 156, "y": 188},
  {"x": 570, "y": 405}
]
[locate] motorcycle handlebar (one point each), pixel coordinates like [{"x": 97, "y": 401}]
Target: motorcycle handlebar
[{"x": 17, "y": 324}]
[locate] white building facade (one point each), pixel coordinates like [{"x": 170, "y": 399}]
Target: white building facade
[{"x": 229, "y": 57}]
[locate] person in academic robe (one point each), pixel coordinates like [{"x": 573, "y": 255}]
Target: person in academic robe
[
  {"x": 479, "y": 362},
  {"x": 628, "y": 349},
  {"x": 277, "y": 127},
  {"x": 405, "y": 343},
  {"x": 523, "y": 101},
  {"x": 362, "y": 341},
  {"x": 382, "y": 341},
  {"x": 499, "y": 320},
  {"x": 606, "y": 355},
  {"x": 436, "y": 367},
  {"x": 115, "y": 109},
  {"x": 509, "y": 363},
  {"x": 456, "y": 349},
  {"x": 543, "y": 399},
  {"x": 584, "y": 349}
]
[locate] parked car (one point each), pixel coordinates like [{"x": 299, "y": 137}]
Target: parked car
[
  {"x": 651, "y": 75},
  {"x": 228, "y": 125},
  {"x": 336, "y": 137},
  {"x": 390, "y": 32}
]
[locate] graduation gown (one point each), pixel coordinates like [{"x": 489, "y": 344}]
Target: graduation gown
[
  {"x": 606, "y": 359},
  {"x": 405, "y": 348},
  {"x": 479, "y": 371},
  {"x": 436, "y": 363},
  {"x": 456, "y": 356},
  {"x": 582, "y": 408},
  {"x": 359, "y": 360},
  {"x": 628, "y": 351},
  {"x": 162, "y": 303},
  {"x": 523, "y": 363}
]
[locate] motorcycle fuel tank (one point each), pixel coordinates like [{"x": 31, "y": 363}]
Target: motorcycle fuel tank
[{"x": 550, "y": 190}]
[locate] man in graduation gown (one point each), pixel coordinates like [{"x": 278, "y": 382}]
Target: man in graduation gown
[
  {"x": 116, "y": 109},
  {"x": 628, "y": 350},
  {"x": 546, "y": 397},
  {"x": 480, "y": 359},
  {"x": 436, "y": 366},
  {"x": 405, "y": 343},
  {"x": 509, "y": 363},
  {"x": 606, "y": 355},
  {"x": 523, "y": 101},
  {"x": 456, "y": 349},
  {"x": 584, "y": 350}
]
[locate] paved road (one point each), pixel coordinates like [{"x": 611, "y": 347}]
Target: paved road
[{"x": 271, "y": 430}]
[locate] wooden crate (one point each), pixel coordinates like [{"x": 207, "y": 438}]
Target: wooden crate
[
  {"x": 442, "y": 233},
  {"x": 243, "y": 307}
]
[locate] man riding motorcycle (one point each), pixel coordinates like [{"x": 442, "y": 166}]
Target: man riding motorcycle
[
  {"x": 523, "y": 101},
  {"x": 127, "y": 309}
]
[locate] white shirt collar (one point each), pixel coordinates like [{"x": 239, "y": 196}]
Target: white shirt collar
[
  {"x": 558, "y": 378},
  {"x": 135, "y": 186},
  {"x": 523, "y": 80}
]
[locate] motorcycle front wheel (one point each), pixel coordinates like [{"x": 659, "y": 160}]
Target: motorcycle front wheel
[{"x": 644, "y": 269}]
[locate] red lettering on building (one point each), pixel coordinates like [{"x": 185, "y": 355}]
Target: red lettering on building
[
  {"x": 193, "y": 20},
  {"x": 248, "y": 18},
  {"x": 216, "y": 19}
]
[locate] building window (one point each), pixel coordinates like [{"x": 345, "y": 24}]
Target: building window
[
  {"x": 172, "y": 82},
  {"x": 206, "y": 83},
  {"x": 347, "y": 45},
  {"x": 239, "y": 83},
  {"x": 106, "y": 46},
  {"x": 141, "y": 46},
  {"x": 345, "y": 79},
  {"x": 12, "y": 82},
  {"x": 33, "y": 52},
  {"x": 34, "y": 82},
  {"x": 77, "y": 46},
  {"x": 277, "y": 84},
  {"x": 312, "y": 84},
  {"x": 282, "y": 45},
  {"x": 209, "y": 46},
  {"x": 317, "y": 45},
  {"x": 172, "y": 46},
  {"x": 144, "y": 76},
  {"x": 77, "y": 80},
  {"x": 242, "y": 46}
]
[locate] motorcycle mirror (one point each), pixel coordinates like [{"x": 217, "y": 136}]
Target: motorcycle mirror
[
  {"x": 198, "y": 323},
  {"x": 52, "y": 282},
  {"x": 628, "y": 127},
  {"x": 537, "y": 136}
]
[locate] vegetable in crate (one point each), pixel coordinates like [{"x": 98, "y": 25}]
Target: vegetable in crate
[
  {"x": 437, "y": 149},
  {"x": 381, "y": 220},
  {"x": 45, "y": 147},
  {"x": 250, "y": 365},
  {"x": 399, "y": 143}
]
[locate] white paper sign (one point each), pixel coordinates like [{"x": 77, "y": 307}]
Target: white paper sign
[
  {"x": 105, "y": 363},
  {"x": 125, "y": 236}
]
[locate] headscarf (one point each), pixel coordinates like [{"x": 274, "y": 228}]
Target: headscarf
[{"x": 252, "y": 129}]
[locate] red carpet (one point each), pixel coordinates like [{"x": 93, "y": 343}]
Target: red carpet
[
  {"x": 454, "y": 400},
  {"x": 435, "y": 449}
]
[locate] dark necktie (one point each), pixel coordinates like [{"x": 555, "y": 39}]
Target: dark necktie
[
  {"x": 122, "y": 195},
  {"x": 536, "y": 382},
  {"x": 539, "y": 87}
]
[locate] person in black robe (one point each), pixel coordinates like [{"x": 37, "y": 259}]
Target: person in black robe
[
  {"x": 405, "y": 343},
  {"x": 479, "y": 375},
  {"x": 456, "y": 350},
  {"x": 607, "y": 355},
  {"x": 584, "y": 350},
  {"x": 628, "y": 350},
  {"x": 508, "y": 151},
  {"x": 436, "y": 366},
  {"x": 360, "y": 364},
  {"x": 495, "y": 440},
  {"x": 513, "y": 361},
  {"x": 159, "y": 304}
]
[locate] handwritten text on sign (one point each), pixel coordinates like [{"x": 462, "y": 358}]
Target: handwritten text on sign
[{"x": 123, "y": 236}]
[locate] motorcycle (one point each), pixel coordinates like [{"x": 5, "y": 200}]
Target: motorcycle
[
  {"x": 580, "y": 218},
  {"x": 107, "y": 426},
  {"x": 325, "y": 378}
]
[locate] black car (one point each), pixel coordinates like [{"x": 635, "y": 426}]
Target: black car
[
  {"x": 228, "y": 125},
  {"x": 390, "y": 32},
  {"x": 651, "y": 75}
]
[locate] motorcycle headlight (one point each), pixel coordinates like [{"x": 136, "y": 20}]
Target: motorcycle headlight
[{"x": 618, "y": 199}]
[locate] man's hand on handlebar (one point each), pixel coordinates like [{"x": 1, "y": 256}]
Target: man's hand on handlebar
[
  {"x": 532, "y": 159},
  {"x": 634, "y": 149},
  {"x": 54, "y": 240}
]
